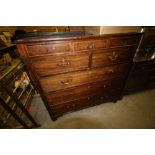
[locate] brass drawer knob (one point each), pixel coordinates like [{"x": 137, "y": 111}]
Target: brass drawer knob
[
  {"x": 53, "y": 48},
  {"x": 73, "y": 105},
  {"x": 91, "y": 46},
  {"x": 64, "y": 63},
  {"x": 110, "y": 71},
  {"x": 113, "y": 57},
  {"x": 66, "y": 82},
  {"x": 67, "y": 106},
  {"x": 88, "y": 87},
  {"x": 101, "y": 97},
  {"x": 124, "y": 43},
  {"x": 87, "y": 46}
]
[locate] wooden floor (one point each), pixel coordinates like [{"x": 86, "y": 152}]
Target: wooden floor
[{"x": 133, "y": 111}]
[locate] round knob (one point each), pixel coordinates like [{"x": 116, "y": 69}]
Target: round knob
[
  {"x": 68, "y": 106},
  {"x": 64, "y": 62},
  {"x": 89, "y": 87},
  {"x": 111, "y": 71},
  {"x": 123, "y": 42},
  {"x": 101, "y": 97}
]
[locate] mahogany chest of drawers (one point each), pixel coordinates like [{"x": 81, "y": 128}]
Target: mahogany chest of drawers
[{"x": 73, "y": 72}]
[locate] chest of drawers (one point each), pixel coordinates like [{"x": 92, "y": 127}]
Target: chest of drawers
[{"x": 74, "y": 72}]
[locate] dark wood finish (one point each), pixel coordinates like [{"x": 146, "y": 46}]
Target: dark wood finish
[
  {"x": 67, "y": 80},
  {"x": 85, "y": 102},
  {"x": 78, "y": 92},
  {"x": 91, "y": 44},
  {"x": 43, "y": 49},
  {"x": 59, "y": 63},
  {"x": 125, "y": 41},
  {"x": 118, "y": 55},
  {"x": 74, "y": 71}
]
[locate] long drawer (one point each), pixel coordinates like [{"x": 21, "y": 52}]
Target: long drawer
[
  {"x": 88, "y": 101},
  {"x": 48, "y": 48},
  {"x": 102, "y": 88},
  {"x": 71, "y": 79},
  {"x": 101, "y": 57},
  {"x": 59, "y": 63}
]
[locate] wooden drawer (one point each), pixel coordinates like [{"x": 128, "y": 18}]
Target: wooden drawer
[
  {"x": 91, "y": 45},
  {"x": 72, "y": 79},
  {"x": 83, "y": 103},
  {"x": 123, "y": 41},
  {"x": 59, "y": 63},
  {"x": 70, "y": 106},
  {"x": 71, "y": 94},
  {"x": 43, "y": 49},
  {"x": 102, "y": 58}
]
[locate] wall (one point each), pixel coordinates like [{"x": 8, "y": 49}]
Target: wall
[
  {"x": 88, "y": 29},
  {"x": 41, "y": 28},
  {"x": 92, "y": 29},
  {"x": 8, "y": 28},
  {"x": 50, "y": 28},
  {"x": 119, "y": 29},
  {"x": 111, "y": 29}
]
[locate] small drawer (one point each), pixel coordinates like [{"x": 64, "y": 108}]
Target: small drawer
[
  {"x": 82, "y": 46},
  {"x": 59, "y": 63},
  {"x": 43, "y": 49},
  {"x": 99, "y": 44},
  {"x": 91, "y": 45},
  {"x": 102, "y": 58},
  {"x": 71, "y": 94},
  {"x": 123, "y": 41},
  {"x": 67, "y": 80}
]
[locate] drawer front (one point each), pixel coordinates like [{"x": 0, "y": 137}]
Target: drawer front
[
  {"x": 60, "y": 63},
  {"x": 83, "y": 103},
  {"x": 70, "y": 106},
  {"x": 42, "y": 49},
  {"x": 123, "y": 41},
  {"x": 72, "y": 79},
  {"x": 91, "y": 45},
  {"x": 101, "y": 58},
  {"x": 97, "y": 44},
  {"x": 71, "y": 94}
]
